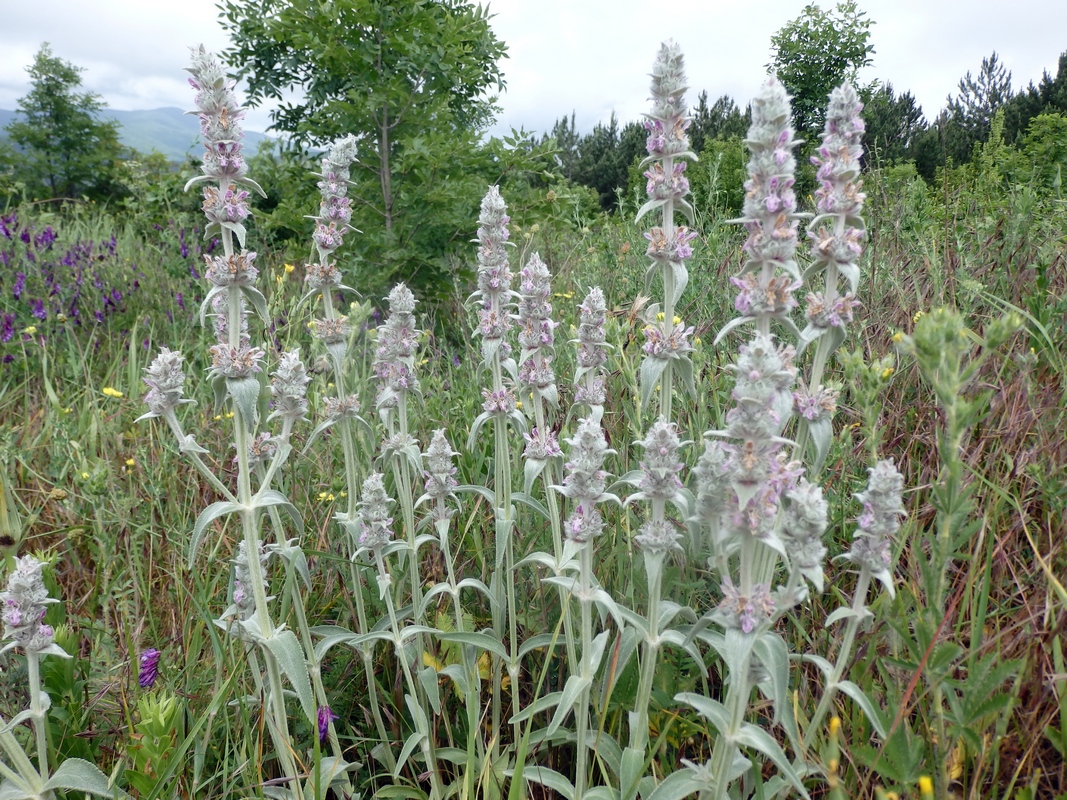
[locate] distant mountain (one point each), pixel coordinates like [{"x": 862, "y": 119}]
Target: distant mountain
[{"x": 169, "y": 131}]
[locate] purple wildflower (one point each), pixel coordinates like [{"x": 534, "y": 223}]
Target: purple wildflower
[
  {"x": 326, "y": 716},
  {"x": 149, "y": 668}
]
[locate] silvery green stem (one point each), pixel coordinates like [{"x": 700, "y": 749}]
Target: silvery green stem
[
  {"x": 649, "y": 650},
  {"x": 581, "y": 710},
  {"x": 398, "y": 643},
  {"x": 40, "y": 730},
  {"x": 844, "y": 655}
]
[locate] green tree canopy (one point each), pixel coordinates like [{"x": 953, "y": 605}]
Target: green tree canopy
[
  {"x": 816, "y": 53},
  {"x": 970, "y": 113},
  {"x": 65, "y": 151},
  {"x": 410, "y": 79}
]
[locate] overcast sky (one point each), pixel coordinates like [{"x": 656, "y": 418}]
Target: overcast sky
[{"x": 589, "y": 56}]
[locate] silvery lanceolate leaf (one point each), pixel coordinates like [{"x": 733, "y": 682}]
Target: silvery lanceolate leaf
[
  {"x": 482, "y": 641},
  {"x": 755, "y": 737},
  {"x": 681, "y": 279},
  {"x": 821, "y": 432},
  {"x": 873, "y": 714},
  {"x": 79, "y": 775},
  {"x": 286, "y": 649},
  {"x": 678, "y": 785},
  {"x": 207, "y": 516},
  {"x": 257, "y": 300},
  {"x": 852, "y": 273},
  {"x": 17, "y": 720},
  {"x": 549, "y": 778},
  {"x": 729, "y": 326},
  {"x": 251, "y": 184},
  {"x": 572, "y": 690},
  {"x": 651, "y": 374},
  {"x": 431, "y": 688},
  {"x": 684, "y": 367},
  {"x": 245, "y": 395}
]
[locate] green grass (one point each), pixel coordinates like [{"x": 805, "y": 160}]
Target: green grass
[{"x": 118, "y": 530}]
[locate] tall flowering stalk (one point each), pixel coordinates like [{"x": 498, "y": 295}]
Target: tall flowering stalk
[
  {"x": 394, "y": 368},
  {"x": 667, "y": 344},
  {"x": 589, "y": 387},
  {"x": 837, "y": 233},
  {"x": 342, "y": 410},
  {"x": 871, "y": 554},
  {"x": 494, "y": 323},
  {"x": 659, "y": 484},
  {"x": 585, "y": 485},
  {"x": 235, "y": 364},
  {"x": 375, "y": 536}
]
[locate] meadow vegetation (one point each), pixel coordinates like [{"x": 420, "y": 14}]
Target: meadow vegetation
[{"x": 447, "y": 612}]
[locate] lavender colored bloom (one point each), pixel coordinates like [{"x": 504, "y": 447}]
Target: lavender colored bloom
[
  {"x": 24, "y": 605},
  {"x": 149, "y": 670},
  {"x": 7, "y": 331},
  {"x": 326, "y": 715},
  {"x": 39, "y": 310},
  {"x": 20, "y": 285},
  {"x": 374, "y": 519}
]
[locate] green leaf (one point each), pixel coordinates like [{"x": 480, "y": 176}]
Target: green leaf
[
  {"x": 77, "y": 775},
  {"x": 482, "y": 641},
  {"x": 874, "y": 716},
  {"x": 286, "y": 649},
  {"x": 207, "y": 516},
  {"x": 550, "y": 778},
  {"x": 755, "y": 737}
]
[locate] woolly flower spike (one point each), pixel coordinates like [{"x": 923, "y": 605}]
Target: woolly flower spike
[
  {"x": 661, "y": 464},
  {"x": 838, "y": 231},
  {"x": 712, "y": 483},
  {"x": 24, "y": 605},
  {"x": 374, "y": 519},
  {"x": 166, "y": 383},
  {"x": 233, "y": 270},
  {"x": 244, "y": 596},
  {"x": 592, "y": 347},
  {"x": 494, "y": 276},
  {"x": 764, "y": 377},
  {"x": 745, "y": 612},
  {"x": 219, "y": 117},
  {"x": 335, "y": 210},
  {"x": 536, "y": 337},
  {"x": 667, "y": 124},
  {"x": 235, "y": 362},
  {"x": 802, "y": 530},
  {"x": 398, "y": 338},
  {"x": 585, "y": 481},
  {"x": 880, "y": 520},
  {"x": 439, "y": 472},
  {"x": 289, "y": 387},
  {"x": 769, "y": 212}
]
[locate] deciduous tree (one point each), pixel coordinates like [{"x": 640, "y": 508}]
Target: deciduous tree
[
  {"x": 66, "y": 151},
  {"x": 817, "y": 52}
]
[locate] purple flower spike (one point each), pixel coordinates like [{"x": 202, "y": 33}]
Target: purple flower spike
[
  {"x": 326, "y": 716},
  {"x": 149, "y": 668}
]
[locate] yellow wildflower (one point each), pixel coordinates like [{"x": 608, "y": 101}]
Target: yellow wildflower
[
  {"x": 926, "y": 787},
  {"x": 31, "y": 330},
  {"x": 85, "y": 476},
  {"x": 917, "y": 315},
  {"x": 898, "y": 337},
  {"x": 112, "y": 392},
  {"x": 887, "y": 372},
  {"x": 289, "y": 269},
  {"x": 130, "y": 462}
]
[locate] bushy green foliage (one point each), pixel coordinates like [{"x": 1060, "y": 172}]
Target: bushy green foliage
[
  {"x": 411, "y": 82},
  {"x": 816, "y": 52}
]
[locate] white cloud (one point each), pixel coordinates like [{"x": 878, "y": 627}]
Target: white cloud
[{"x": 590, "y": 56}]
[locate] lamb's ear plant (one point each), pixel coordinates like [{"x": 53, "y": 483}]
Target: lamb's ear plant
[
  {"x": 341, "y": 409},
  {"x": 25, "y": 604},
  {"x": 272, "y": 651},
  {"x": 494, "y": 323}
]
